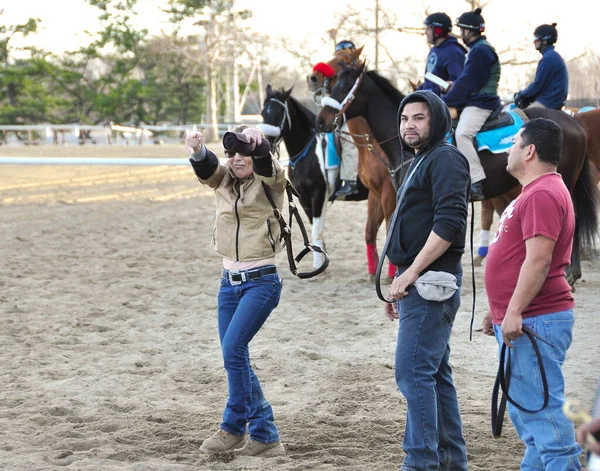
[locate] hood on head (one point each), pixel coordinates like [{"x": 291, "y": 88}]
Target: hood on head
[{"x": 441, "y": 123}]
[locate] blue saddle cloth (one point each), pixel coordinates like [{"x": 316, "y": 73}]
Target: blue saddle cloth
[
  {"x": 586, "y": 108},
  {"x": 500, "y": 139},
  {"x": 333, "y": 159}
]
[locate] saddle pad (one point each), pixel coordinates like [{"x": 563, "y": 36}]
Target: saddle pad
[
  {"x": 586, "y": 109},
  {"x": 333, "y": 159},
  {"x": 500, "y": 139}
]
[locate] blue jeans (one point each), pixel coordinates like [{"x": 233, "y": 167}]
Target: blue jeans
[
  {"x": 433, "y": 437},
  {"x": 243, "y": 309},
  {"x": 549, "y": 436}
]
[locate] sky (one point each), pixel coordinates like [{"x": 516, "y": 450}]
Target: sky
[{"x": 508, "y": 22}]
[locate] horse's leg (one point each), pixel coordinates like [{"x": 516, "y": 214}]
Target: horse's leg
[
  {"x": 573, "y": 271},
  {"x": 374, "y": 220},
  {"x": 318, "y": 224},
  {"x": 487, "y": 218}
]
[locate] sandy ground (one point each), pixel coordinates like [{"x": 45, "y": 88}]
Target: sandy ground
[{"x": 109, "y": 348}]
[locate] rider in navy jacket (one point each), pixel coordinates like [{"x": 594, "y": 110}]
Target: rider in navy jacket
[
  {"x": 476, "y": 74},
  {"x": 551, "y": 85},
  {"x": 446, "y": 57}
]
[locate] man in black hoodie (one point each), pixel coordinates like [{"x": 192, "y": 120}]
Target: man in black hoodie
[{"x": 426, "y": 242}]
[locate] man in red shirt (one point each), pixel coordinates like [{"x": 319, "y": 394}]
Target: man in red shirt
[{"x": 526, "y": 287}]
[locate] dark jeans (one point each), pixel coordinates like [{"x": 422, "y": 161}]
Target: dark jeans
[
  {"x": 243, "y": 309},
  {"x": 433, "y": 437}
]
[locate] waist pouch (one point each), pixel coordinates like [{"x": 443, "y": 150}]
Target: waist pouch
[{"x": 436, "y": 285}]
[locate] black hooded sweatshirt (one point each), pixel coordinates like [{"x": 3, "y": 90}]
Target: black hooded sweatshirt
[{"x": 436, "y": 197}]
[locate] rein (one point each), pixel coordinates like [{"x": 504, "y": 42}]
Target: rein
[
  {"x": 384, "y": 160},
  {"x": 303, "y": 153},
  {"x": 503, "y": 382},
  {"x": 286, "y": 233}
]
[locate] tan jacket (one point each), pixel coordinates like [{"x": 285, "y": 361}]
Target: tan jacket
[{"x": 245, "y": 227}]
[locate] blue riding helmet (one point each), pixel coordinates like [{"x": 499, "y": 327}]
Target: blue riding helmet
[{"x": 345, "y": 44}]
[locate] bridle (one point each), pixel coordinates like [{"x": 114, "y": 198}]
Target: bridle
[
  {"x": 346, "y": 102},
  {"x": 286, "y": 117},
  {"x": 277, "y": 139},
  {"x": 322, "y": 91}
]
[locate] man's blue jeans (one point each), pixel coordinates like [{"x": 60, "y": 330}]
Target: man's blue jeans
[
  {"x": 433, "y": 437},
  {"x": 243, "y": 309},
  {"x": 549, "y": 436}
]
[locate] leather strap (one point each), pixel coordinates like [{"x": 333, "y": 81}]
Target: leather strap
[
  {"x": 503, "y": 382},
  {"x": 286, "y": 233}
]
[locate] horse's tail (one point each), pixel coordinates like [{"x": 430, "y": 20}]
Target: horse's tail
[{"x": 587, "y": 202}]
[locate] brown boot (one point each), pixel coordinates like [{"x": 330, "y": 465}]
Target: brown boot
[
  {"x": 264, "y": 450},
  {"x": 221, "y": 441}
]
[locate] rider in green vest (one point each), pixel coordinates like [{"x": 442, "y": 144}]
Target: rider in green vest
[{"x": 474, "y": 93}]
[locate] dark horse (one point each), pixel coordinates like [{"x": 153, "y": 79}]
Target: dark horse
[
  {"x": 590, "y": 120},
  {"x": 374, "y": 167},
  {"x": 288, "y": 120},
  {"x": 591, "y": 123},
  {"x": 373, "y": 100}
]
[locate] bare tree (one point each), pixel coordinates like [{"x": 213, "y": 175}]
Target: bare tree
[{"x": 584, "y": 79}]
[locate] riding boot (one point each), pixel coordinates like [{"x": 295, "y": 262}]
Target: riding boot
[
  {"x": 477, "y": 193},
  {"x": 348, "y": 188}
]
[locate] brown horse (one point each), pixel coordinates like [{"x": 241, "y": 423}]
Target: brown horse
[
  {"x": 373, "y": 164},
  {"x": 375, "y": 98}
]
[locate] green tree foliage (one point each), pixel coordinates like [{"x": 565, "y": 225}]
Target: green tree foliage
[{"x": 123, "y": 74}]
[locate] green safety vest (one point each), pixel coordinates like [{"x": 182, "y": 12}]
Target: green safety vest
[{"x": 491, "y": 87}]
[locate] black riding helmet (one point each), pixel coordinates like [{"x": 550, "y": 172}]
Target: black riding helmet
[
  {"x": 546, "y": 33},
  {"x": 471, "y": 20},
  {"x": 442, "y": 24}
]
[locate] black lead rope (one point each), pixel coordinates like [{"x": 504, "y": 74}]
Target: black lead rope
[
  {"x": 503, "y": 382},
  {"x": 286, "y": 234},
  {"x": 472, "y": 271}
]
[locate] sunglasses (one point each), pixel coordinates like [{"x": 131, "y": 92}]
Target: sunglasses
[{"x": 344, "y": 45}]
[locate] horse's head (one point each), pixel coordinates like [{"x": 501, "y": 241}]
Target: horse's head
[
  {"x": 275, "y": 113},
  {"x": 345, "y": 101},
  {"x": 323, "y": 77}
]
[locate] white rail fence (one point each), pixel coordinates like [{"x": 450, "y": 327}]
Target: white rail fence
[
  {"x": 109, "y": 134},
  {"x": 128, "y": 132}
]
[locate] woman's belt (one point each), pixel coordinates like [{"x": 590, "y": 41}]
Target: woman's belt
[{"x": 237, "y": 277}]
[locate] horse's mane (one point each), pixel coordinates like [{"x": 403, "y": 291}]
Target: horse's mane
[
  {"x": 386, "y": 86},
  {"x": 307, "y": 116}
]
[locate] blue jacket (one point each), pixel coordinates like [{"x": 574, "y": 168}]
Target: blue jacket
[
  {"x": 436, "y": 198},
  {"x": 551, "y": 84},
  {"x": 475, "y": 76},
  {"x": 447, "y": 61}
]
